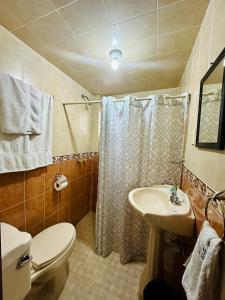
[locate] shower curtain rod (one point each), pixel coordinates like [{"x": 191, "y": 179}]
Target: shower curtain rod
[{"x": 121, "y": 100}]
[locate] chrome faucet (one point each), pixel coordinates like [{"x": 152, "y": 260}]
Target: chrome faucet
[
  {"x": 174, "y": 199},
  {"x": 170, "y": 181}
]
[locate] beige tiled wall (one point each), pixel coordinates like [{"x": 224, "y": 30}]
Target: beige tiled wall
[
  {"x": 208, "y": 165},
  {"x": 71, "y": 129},
  {"x": 172, "y": 91},
  {"x": 96, "y": 111}
]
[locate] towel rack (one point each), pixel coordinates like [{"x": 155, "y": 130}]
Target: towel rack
[{"x": 217, "y": 197}]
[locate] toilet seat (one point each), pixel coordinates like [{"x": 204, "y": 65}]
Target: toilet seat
[{"x": 51, "y": 244}]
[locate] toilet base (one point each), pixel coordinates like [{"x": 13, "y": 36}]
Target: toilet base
[{"x": 50, "y": 285}]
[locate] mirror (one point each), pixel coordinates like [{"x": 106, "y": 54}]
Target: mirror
[{"x": 211, "y": 113}]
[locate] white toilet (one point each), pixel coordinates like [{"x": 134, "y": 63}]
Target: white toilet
[{"x": 33, "y": 265}]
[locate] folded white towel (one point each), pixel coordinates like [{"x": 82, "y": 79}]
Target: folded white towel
[
  {"x": 26, "y": 152},
  {"x": 201, "y": 277},
  {"x": 20, "y": 106}
]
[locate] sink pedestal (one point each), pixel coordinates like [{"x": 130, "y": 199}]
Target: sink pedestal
[{"x": 154, "y": 258}]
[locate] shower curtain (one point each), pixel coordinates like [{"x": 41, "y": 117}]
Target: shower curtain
[{"x": 138, "y": 141}]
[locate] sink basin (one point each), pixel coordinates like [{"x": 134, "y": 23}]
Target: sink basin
[{"x": 153, "y": 203}]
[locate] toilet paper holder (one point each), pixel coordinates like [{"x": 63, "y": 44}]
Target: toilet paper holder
[{"x": 61, "y": 182}]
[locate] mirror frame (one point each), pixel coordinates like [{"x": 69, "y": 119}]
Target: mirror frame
[{"x": 221, "y": 129}]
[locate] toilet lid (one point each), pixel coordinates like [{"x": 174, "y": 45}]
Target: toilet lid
[{"x": 51, "y": 243}]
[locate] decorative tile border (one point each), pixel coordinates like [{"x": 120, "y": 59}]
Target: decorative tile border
[
  {"x": 76, "y": 156},
  {"x": 200, "y": 185},
  {"x": 198, "y": 192}
]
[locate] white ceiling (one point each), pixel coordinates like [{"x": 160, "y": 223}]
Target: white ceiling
[{"x": 156, "y": 37}]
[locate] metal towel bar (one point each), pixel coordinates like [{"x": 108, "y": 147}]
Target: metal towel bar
[{"x": 215, "y": 198}]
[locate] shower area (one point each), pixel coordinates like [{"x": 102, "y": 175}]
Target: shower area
[{"x": 141, "y": 142}]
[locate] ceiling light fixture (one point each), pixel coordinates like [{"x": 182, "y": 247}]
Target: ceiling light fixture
[{"x": 115, "y": 55}]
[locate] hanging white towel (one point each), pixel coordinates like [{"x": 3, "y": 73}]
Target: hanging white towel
[
  {"x": 202, "y": 274},
  {"x": 20, "y": 106},
  {"x": 26, "y": 152}
]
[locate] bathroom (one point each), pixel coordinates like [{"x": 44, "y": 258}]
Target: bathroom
[{"x": 101, "y": 104}]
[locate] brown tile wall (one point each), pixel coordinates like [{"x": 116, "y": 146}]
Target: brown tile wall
[
  {"x": 198, "y": 193},
  {"x": 29, "y": 202},
  {"x": 94, "y": 184}
]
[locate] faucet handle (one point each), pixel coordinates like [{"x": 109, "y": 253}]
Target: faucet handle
[{"x": 173, "y": 189}]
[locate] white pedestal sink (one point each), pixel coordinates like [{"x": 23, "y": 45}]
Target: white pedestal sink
[{"x": 153, "y": 204}]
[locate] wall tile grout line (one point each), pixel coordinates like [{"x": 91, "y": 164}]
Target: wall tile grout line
[{"x": 13, "y": 206}]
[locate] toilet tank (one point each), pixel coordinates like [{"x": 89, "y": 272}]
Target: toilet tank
[{"x": 16, "y": 262}]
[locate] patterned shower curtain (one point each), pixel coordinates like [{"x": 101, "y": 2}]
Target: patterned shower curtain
[{"x": 138, "y": 141}]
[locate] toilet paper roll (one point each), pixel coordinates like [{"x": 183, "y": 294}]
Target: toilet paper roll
[
  {"x": 60, "y": 183},
  {"x": 60, "y": 186}
]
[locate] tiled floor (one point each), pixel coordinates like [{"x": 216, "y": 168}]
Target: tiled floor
[{"x": 93, "y": 277}]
